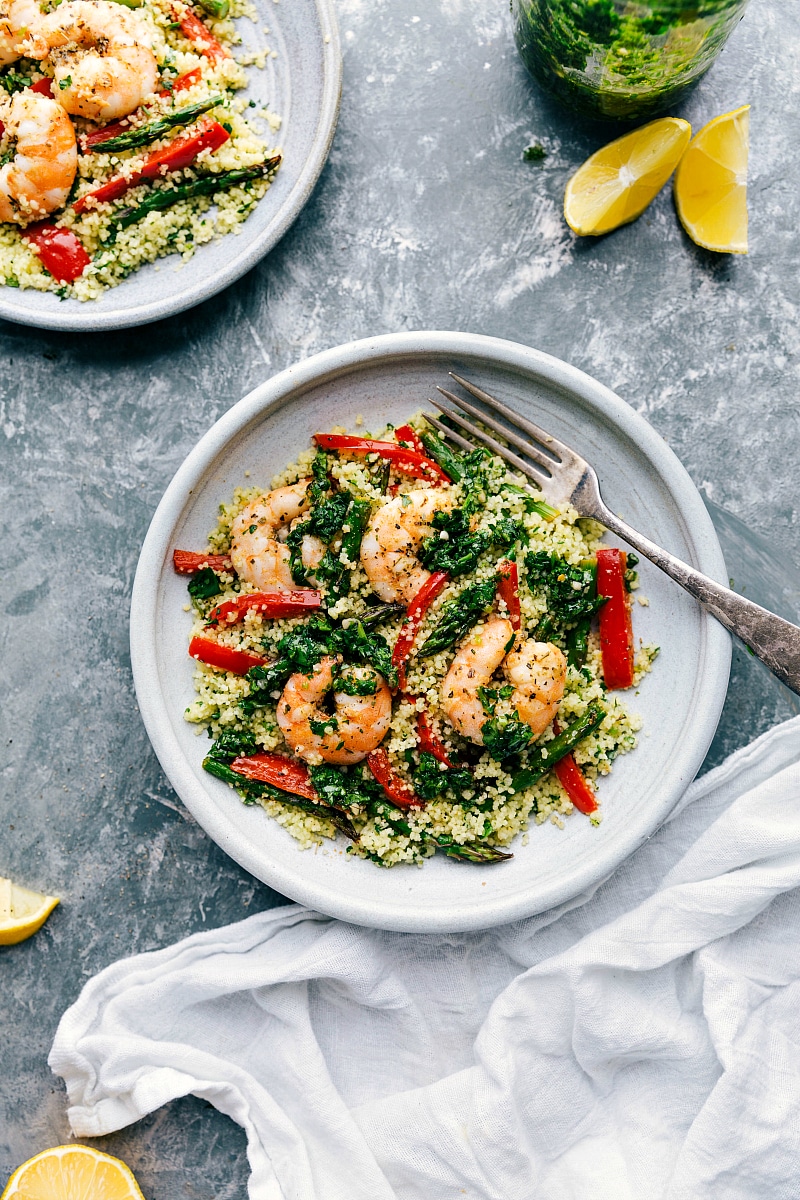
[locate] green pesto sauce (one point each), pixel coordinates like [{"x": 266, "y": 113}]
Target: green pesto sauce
[{"x": 617, "y": 58}]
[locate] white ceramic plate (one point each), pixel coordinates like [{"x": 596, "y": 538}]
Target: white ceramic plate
[
  {"x": 303, "y": 85},
  {"x": 387, "y": 379}
]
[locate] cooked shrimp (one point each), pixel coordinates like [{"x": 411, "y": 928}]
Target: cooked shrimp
[
  {"x": 103, "y": 64},
  {"x": 393, "y": 536},
  {"x": 538, "y": 671},
  {"x": 257, "y": 555},
  {"x": 358, "y": 725},
  {"x": 38, "y": 178},
  {"x": 17, "y": 18}
]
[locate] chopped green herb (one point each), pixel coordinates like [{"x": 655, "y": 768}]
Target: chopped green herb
[
  {"x": 489, "y": 696},
  {"x": 13, "y": 82},
  {"x": 320, "y": 728},
  {"x": 355, "y": 685}
]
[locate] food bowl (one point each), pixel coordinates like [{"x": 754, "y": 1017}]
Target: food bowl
[{"x": 386, "y": 379}]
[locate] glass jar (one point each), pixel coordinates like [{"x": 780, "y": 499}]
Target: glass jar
[{"x": 621, "y": 59}]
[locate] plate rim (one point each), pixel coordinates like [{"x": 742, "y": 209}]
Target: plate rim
[
  {"x": 88, "y": 320},
  {"x": 155, "y": 552}
]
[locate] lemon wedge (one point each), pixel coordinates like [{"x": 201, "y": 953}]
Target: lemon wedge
[
  {"x": 618, "y": 182},
  {"x": 72, "y": 1173},
  {"x": 22, "y": 912},
  {"x": 711, "y": 184}
]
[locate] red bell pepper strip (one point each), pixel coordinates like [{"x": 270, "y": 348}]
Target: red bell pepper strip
[
  {"x": 409, "y": 462},
  {"x": 273, "y": 605},
  {"x": 404, "y": 433},
  {"x": 508, "y": 591},
  {"x": 189, "y": 562},
  {"x": 44, "y": 87},
  {"x": 115, "y": 128},
  {"x": 428, "y": 740},
  {"x": 199, "y": 34},
  {"x": 215, "y": 655},
  {"x": 181, "y": 83},
  {"x": 396, "y": 788},
  {"x": 573, "y": 781},
  {"x": 206, "y": 134},
  {"x": 60, "y": 250},
  {"x": 414, "y": 615},
  {"x": 616, "y": 630},
  {"x": 281, "y": 772}
]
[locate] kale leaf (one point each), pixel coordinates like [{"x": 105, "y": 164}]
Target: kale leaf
[
  {"x": 571, "y": 592},
  {"x": 264, "y": 682},
  {"x": 341, "y": 789},
  {"x": 204, "y": 585},
  {"x": 459, "y": 550},
  {"x": 324, "y": 522},
  {"x": 304, "y": 646},
  {"x": 328, "y": 517},
  {"x": 504, "y": 737},
  {"x": 228, "y": 746},
  {"x": 340, "y": 513},
  {"x": 320, "y": 484},
  {"x": 432, "y": 778},
  {"x": 360, "y": 645},
  {"x": 231, "y": 745}
]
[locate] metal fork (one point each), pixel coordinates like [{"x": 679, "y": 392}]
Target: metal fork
[{"x": 567, "y": 478}]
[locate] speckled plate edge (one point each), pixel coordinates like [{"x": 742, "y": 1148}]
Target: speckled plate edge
[
  {"x": 87, "y": 320},
  {"x": 155, "y": 559}
]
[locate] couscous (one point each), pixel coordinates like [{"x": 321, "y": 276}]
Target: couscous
[
  {"x": 123, "y": 138},
  {"x": 405, "y": 644}
]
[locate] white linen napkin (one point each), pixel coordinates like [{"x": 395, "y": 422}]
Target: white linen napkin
[{"x": 642, "y": 1043}]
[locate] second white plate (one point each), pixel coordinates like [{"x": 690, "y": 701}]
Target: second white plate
[{"x": 302, "y": 84}]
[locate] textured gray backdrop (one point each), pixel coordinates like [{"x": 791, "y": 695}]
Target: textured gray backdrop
[{"x": 425, "y": 217}]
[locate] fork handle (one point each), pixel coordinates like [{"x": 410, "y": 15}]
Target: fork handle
[{"x": 775, "y": 641}]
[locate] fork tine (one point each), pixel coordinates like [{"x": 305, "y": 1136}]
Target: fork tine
[
  {"x": 524, "y": 444},
  {"x": 540, "y": 475},
  {"x": 450, "y": 433},
  {"x": 547, "y": 440}
]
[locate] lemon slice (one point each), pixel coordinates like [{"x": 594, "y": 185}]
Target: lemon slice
[
  {"x": 711, "y": 184},
  {"x": 22, "y": 912},
  {"x": 618, "y": 182},
  {"x": 72, "y": 1173}
]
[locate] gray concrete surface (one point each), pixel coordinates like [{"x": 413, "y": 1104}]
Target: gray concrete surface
[{"x": 425, "y": 217}]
